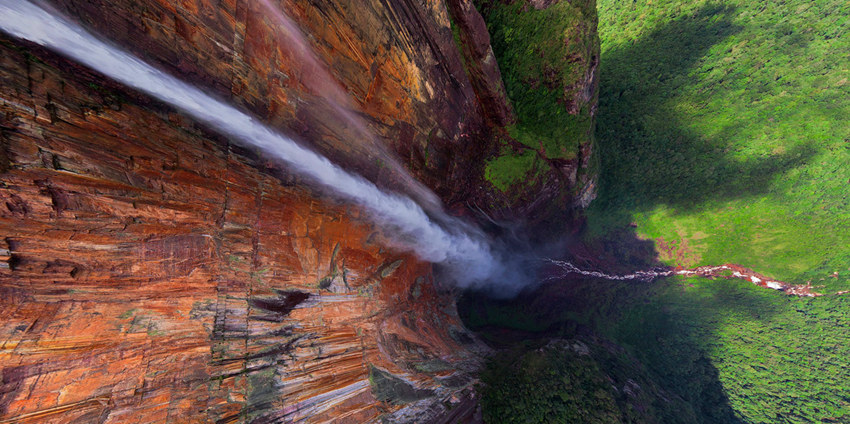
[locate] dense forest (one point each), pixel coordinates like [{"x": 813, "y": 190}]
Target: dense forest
[{"x": 723, "y": 137}]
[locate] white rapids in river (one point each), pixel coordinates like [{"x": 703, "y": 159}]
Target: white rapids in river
[{"x": 737, "y": 271}]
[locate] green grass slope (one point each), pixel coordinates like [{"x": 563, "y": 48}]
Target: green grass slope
[
  {"x": 724, "y": 130},
  {"x": 724, "y": 127},
  {"x": 724, "y": 134}
]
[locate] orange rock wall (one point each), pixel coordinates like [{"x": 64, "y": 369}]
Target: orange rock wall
[
  {"x": 150, "y": 271},
  {"x": 396, "y": 61}
]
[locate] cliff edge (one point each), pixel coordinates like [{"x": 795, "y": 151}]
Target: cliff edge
[{"x": 152, "y": 270}]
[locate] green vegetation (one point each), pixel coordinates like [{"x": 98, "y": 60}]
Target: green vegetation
[
  {"x": 511, "y": 167},
  {"x": 128, "y": 313},
  {"x": 724, "y": 125},
  {"x": 575, "y": 381},
  {"x": 779, "y": 359},
  {"x": 724, "y": 137},
  {"x": 721, "y": 351},
  {"x": 543, "y": 56}
]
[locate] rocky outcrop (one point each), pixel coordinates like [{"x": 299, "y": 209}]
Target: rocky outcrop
[
  {"x": 418, "y": 78},
  {"x": 479, "y": 62},
  {"x": 395, "y": 64},
  {"x": 544, "y": 170},
  {"x": 152, "y": 271}
]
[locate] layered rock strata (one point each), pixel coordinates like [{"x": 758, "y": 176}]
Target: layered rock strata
[
  {"x": 395, "y": 61},
  {"x": 154, "y": 272},
  {"x": 151, "y": 271}
]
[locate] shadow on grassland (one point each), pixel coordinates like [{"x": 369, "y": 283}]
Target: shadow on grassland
[
  {"x": 648, "y": 158},
  {"x": 658, "y": 333}
]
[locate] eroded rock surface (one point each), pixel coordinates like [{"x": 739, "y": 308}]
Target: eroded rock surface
[
  {"x": 153, "y": 272},
  {"x": 396, "y": 63}
]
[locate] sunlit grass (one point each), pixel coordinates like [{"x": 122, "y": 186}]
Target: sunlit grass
[
  {"x": 730, "y": 119},
  {"x": 724, "y": 131}
]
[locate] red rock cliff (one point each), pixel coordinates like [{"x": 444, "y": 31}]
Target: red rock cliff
[
  {"x": 151, "y": 271},
  {"x": 396, "y": 60},
  {"x": 157, "y": 273}
]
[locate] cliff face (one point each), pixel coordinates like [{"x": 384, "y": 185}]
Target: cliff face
[
  {"x": 152, "y": 271},
  {"x": 545, "y": 167},
  {"x": 393, "y": 65},
  {"x": 156, "y": 272}
]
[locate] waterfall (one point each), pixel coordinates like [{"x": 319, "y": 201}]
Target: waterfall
[
  {"x": 337, "y": 107},
  {"x": 454, "y": 244}
]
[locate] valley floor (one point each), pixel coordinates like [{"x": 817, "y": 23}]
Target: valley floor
[{"x": 723, "y": 135}]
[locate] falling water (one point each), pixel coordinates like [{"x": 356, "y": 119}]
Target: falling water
[
  {"x": 465, "y": 250},
  {"x": 316, "y": 78}
]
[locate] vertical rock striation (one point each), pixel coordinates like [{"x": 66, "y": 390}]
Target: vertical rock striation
[
  {"x": 545, "y": 168},
  {"x": 154, "y": 272},
  {"x": 395, "y": 60},
  {"x": 151, "y": 271}
]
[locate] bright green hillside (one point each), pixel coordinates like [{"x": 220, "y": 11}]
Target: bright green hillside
[
  {"x": 726, "y": 126},
  {"x": 724, "y": 136}
]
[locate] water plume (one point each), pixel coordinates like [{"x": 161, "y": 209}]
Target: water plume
[
  {"x": 470, "y": 256},
  {"x": 342, "y": 119}
]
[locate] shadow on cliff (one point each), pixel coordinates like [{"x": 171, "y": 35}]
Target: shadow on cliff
[{"x": 656, "y": 331}]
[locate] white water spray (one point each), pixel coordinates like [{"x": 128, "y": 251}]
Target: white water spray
[
  {"x": 570, "y": 268},
  {"x": 313, "y": 73},
  {"x": 466, "y": 251}
]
